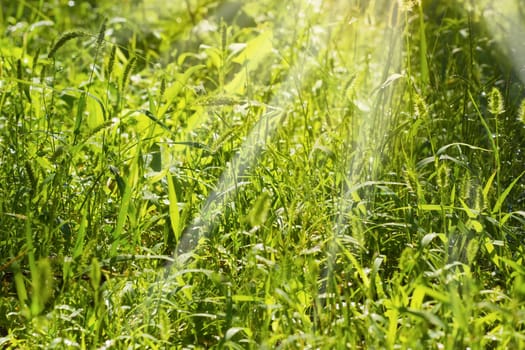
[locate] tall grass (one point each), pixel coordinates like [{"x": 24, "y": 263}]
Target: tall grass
[{"x": 287, "y": 175}]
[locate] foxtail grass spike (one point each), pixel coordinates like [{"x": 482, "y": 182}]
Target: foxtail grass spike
[
  {"x": 101, "y": 32},
  {"x": 127, "y": 71},
  {"x": 162, "y": 88},
  {"x": 224, "y": 36},
  {"x": 496, "y": 104},
  {"x": 35, "y": 59},
  {"x": 111, "y": 61},
  {"x": 421, "y": 107},
  {"x": 64, "y": 39},
  {"x": 521, "y": 113},
  {"x": 31, "y": 175}
]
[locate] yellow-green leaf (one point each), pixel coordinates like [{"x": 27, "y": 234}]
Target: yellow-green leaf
[{"x": 173, "y": 208}]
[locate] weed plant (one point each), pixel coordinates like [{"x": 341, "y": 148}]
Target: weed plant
[{"x": 260, "y": 174}]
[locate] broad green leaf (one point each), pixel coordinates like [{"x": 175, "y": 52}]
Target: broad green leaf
[
  {"x": 505, "y": 193},
  {"x": 426, "y": 315},
  {"x": 173, "y": 208},
  {"x": 79, "y": 244},
  {"x": 247, "y": 298},
  {"x": 81, "y": 107},
  {"x": 430, "y": 207},
  {"x": 472, "y": 214},
  {"x": 512, "y": 214},
  {"x": 95, "y": 112},
  {"x": 393, "y": 316},
  {"x": 487, "y": 186},
  {"x": 417, "y": 297},
  {"x": 458, "y": 145},
  {"x": 125, "y": 203},
  {"x": 459, "y": 309},
  {"x": 259, "y": 212},
  {"x": 489, "y": 246},
  {"x": 429, "y": 237},
  {"x": 517, "y": 266},
  {"x": 435, "y": 294},
  {"x": 230, "y": 333},
  {"x": 21, "y": 289},
  {"x": 254, "y": 53}
]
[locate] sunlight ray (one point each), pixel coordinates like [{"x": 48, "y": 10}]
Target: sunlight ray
[
  {"x": 372, "y": 100},
  {"x": 255, "y": 141},
  {"x": 505, "y": 20}
]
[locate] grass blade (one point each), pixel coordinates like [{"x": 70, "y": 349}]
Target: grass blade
[
  {"x": 503, "y": 196},
  {"x": 173, "y": 208}
]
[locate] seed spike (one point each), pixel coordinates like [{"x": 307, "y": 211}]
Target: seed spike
[
  {"x": 64, "y": 39},
  {"x": 102, "y": 32}
]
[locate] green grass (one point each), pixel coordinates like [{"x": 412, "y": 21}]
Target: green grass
[{"x": 285, "y": 174}]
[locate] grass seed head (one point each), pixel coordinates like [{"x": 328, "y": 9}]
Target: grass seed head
[
  {"x": 521, "y": 112},
  {"x": 64, "y": 39},
  {"x": 162, "y": 89},
  {"x": 101, "y": 33},
  {"x": 408, "y": 5},
  {"x": 443, "y": 174},
  {"x": 111, "y": 61},
  {"x": 127, "y": 70},
  {"x": 496, "y": 104},
  {"x": 35, "y": 59},
  {"x": 223, "y": 36},
  {"x": 466, "y": 186},
  {"x": 421, "y": 107}
]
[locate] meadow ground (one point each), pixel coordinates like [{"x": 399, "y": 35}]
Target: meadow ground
[{"x": 262, "y": 174}]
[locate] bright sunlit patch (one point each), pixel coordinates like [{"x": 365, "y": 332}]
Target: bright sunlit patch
[
  {"x": 505, "y": 19},
  {"x": 376, "y": 65}
]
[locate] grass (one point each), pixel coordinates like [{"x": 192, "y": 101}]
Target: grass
[{"x": 261, "y": 174}]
